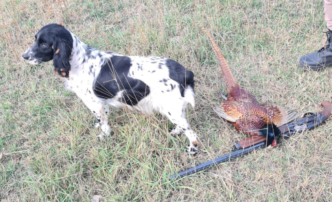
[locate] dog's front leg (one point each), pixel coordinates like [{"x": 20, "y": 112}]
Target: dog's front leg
[
  {"x": 101, "y": 110},
  {"x": 102, "y": 118}
]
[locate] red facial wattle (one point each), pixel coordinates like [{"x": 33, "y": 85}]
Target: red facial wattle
[{"x": 274, "y": 143}]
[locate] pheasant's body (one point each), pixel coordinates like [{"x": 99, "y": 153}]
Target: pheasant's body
[{"x": 243, "y": 111}]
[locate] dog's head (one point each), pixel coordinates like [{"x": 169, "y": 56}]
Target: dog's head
[{"x": 55, "y": 42}]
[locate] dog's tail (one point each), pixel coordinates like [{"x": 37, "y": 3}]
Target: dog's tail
[{"x": 189, "y": 96}]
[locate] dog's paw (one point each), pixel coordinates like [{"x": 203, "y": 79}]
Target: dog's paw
[
  {"x": 97, "y": 125},
  {"x": 101, "y": 136},
  {"x": 192, "y": 149}
]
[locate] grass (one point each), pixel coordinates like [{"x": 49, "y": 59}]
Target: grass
[{"x": 49, "y": 151}]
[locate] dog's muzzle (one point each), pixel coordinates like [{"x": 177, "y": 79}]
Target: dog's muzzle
[
  {"x": 26, "y": 56},
  {"x": 32, "y": 61}
]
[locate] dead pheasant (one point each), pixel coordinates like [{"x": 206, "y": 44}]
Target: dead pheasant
[{"x": 243, "y": 111}]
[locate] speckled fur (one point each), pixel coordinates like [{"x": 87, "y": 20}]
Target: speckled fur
[{"x": 162, "y": 93}]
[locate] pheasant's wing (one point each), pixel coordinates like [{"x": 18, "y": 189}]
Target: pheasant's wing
[
  {"x": 280, "y": 115},
  {"x": 229, "y": 110},
  {"x": 250, "y": 124},
  {"x": 220, "y": 111}
]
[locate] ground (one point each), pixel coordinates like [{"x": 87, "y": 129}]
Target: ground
[{"x": 48, "y": 147}]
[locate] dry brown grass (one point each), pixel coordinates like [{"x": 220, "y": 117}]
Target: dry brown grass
[{"x": 49, "y": 151}]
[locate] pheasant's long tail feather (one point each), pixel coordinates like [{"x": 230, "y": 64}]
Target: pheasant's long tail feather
[{"x": 230, "y": 81}]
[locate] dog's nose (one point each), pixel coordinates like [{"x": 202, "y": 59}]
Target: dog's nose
[{"x": 25, "y": 56}]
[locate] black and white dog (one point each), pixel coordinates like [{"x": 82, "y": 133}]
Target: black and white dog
[{"x": 101, "y": 79}]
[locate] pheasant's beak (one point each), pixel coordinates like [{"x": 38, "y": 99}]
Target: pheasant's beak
[{"x": 274, "y": 143}]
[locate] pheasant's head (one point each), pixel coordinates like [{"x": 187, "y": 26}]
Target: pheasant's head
[{"x": 272, "y": 134}]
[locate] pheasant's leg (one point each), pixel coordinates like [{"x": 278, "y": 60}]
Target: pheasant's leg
[{"x": 221, "y": 94}]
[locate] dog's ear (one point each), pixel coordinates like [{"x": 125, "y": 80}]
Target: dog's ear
[{"x": 62, "y": 51}]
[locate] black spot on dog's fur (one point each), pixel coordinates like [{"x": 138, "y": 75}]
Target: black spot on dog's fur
[
  {"x": 107, "y": 85},
  {"x": 139, "y": 67},
  {"x": 179, "y": 74},
  {"x": 90, "y": 69}
]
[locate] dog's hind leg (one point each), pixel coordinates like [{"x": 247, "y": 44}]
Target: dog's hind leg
[{"x": 175, "y": 112}]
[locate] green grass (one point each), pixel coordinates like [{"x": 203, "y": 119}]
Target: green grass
[{"x": 48, "y": 147}]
